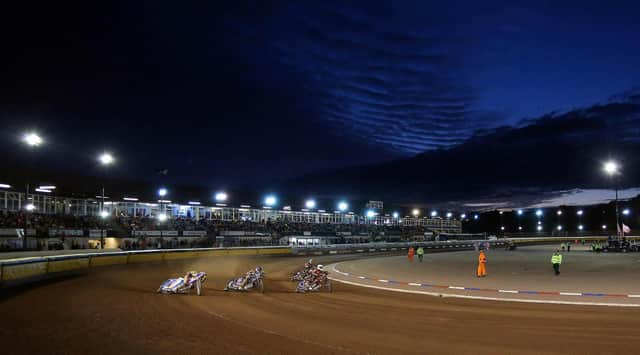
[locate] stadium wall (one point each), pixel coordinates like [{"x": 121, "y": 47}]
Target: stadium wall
[{"x": 30, "y": 269}]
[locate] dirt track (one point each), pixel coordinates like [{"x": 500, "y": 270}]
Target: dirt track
[{"x": 116, "y": 310}]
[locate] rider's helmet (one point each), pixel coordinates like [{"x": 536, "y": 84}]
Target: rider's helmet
[
  {"x": 259, "y": 269},
  {"x": 320, "y": 267}
]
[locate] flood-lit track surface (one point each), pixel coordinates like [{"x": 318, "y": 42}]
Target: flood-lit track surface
[
  {"x": 115, "y": 310},
  {"x": 523, "y": 275}
]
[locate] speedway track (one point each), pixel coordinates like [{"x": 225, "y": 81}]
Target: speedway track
[{"x": 114, "y": 310}]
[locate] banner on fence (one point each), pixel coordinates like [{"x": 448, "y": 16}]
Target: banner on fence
[
  {"x": 194, "y": 233},
  {"x": 66, "y": 232},
  {"x": 155, "y": 233},
  {"x": 96, "y": 233},
  {"x": 16, "y": 232}
]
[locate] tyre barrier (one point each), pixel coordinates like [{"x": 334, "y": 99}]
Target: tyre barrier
[{"x": 31, "y": 269}]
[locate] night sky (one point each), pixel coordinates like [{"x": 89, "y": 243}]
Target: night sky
[{"x": 223, "y": 94}]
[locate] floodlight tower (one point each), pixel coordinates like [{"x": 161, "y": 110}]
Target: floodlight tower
[
  {"x": 612, "y": 169},
  {"x": 32, "y": 140},
  {"x": 105, "y": 159},
  {"x": 162, "y": 192}
]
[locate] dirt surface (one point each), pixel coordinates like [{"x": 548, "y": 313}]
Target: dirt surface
[{"x": 115, "y": 310}]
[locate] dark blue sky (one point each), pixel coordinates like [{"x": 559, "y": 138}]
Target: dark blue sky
[{"x": 245, "y": 91}]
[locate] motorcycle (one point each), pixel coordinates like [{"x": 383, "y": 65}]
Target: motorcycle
[
  {"x": 192, "y": 280},
  {"x": 304, "y": 273},
  {"x": 300, "y": 275},
  {"x": 315, "y": 283},
  {"x": 253, "y": 280}
]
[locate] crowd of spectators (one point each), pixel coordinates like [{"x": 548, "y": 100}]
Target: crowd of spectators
[{"x": 43, "y": 222}]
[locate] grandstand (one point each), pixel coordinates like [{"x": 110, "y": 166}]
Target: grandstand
[{"x": 67, "y": 222}]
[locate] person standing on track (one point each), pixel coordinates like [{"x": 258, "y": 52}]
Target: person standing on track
[
  {"x": 482, "y": 265},
  {"x": 411, "y": 254},
  {"x": 556, "y": 260},
  {"x": 420, "y": 253}
]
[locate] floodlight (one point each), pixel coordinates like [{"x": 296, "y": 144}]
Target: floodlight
[
  {"x": 32, "y": 139},
  {"x": 604, "y": 226},
  {"x": 162, "y": 192},
  {"x": 626, "y": 212},
  {"x": 449, "y": 214},
  {"x": 559, "y": 213},
  {"x": 221, "y": 196},
  {"x": 270, "y": 200},
  {"x": 371, "y": 213},
  {"x": 519, "y": 212},
  {"x": 580, "y": 227},
  {"x": 463, "y": 216},
  {"x": 310, "y": 204},
  {"x": 559, "y": 228},
  {"x": 106, "y": 159},
  {"x": 539, "y": 228},
  {"x": 396, "y": 215},
  {"x": 415, "y": 212},
  {"x": 580, "y": 212},
  {"x": 104, "y": 214},
  {"x": 30, "y": 207},
  {"x": 610, "y": 167},
  {"x": 343, "y": 206},
  {"x": 539, "y": 213},
  {"x": 162, "y": 217},
  {"x": 434, "y": 213}
]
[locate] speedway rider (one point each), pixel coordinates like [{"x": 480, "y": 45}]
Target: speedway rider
[
  {"x": 249, "y": 276},
  {"x": 316, "y": 277}
]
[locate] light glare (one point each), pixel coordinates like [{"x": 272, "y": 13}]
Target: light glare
[
  {"x": 106, "y": 159},
  {"x": 32, "y": 139},
  {"x": 221, "y": 196},
  {"x": 270, "y": 200},
  {"x": 610, "y": 167}
]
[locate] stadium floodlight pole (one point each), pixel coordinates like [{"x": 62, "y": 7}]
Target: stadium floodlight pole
[
  {"x": 612, "y": 169},
  {"x": 105, "y": 160},
  {"x": 162, "y": 192},
  {"x": 32, "y": 140}
]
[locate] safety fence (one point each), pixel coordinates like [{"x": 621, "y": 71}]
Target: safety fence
[
  {"x": 21, "y": 270},
  {"x": 440, "y": 246},
  {"x": 24, "y": 270},
  {"x": 430, "y": 247}
]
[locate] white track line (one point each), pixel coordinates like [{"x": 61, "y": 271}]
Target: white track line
[{"x": 450, "y": 295}]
